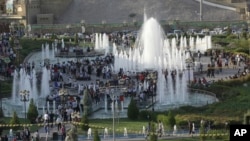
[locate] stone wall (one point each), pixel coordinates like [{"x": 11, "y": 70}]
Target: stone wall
[
  {"x": 56, "y": 7},
  {"x": 45, "y": 19},
  {"x": 34, "y": 8}
]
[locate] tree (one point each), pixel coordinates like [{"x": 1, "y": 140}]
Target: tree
[
  {"x": 202, "y": 131},
  {"x": 87, "y": 102},
  {"x": 32, "y": 112},
  {"x": 153, "y": 135},
  {"x": 2, "y": 128},
  {"x": 171, "y": 119},
  {"x": 1, "y": 113},
  {"x": 133, "y": 110},
  {"x": 15, "y": 120},
  {"x": 72, "y": 134},
  {"x": 85, "y": 123},
  {"x": 96, "y": 135},
  {"x": 76, "y": 39}
]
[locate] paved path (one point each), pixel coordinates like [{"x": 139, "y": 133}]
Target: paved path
[
  {"x": 217, "y": 5},
  {"x": 205, "y": 60}
]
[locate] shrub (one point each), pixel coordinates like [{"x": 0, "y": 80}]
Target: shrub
[
  {"x": 85, "y": 123},
  {"x": 96, "y": 136},
  {"x": 87, "y": 102},
  {"x": 1, "y": 113},
  {"x": 171, "y": 119},
  {"x": 163, "y": 118},
  {"x": 202, "y": 131},
  {"x": 2, "y": 128},
  {"x": 32, "y": 112},
  {"x": 216, "y": 134},
  {"x": 15, "y": 120},
  {"x": 133, "y": 110},
  {"x": 153, "y": 135}
]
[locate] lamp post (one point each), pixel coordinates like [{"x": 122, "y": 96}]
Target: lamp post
[
  {"x": 75, "y": 116},
  {"x": 104, "y": 25},
  {"x": 1, "y": 94},
  {"x": 27, "y": 11},
  {"x": 83, "y": 26},
  {"x": 188, "y": 67},
  {"x": 24, "y": 97},
  {"x": 201, "y": 10},
  {"x": 68, "y": 27},
  {"x": 113, "y": 106},
  {"x": 62, "y": 93}
]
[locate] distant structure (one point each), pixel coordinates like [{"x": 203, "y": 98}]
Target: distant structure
[{"x": 32, "y": 11}]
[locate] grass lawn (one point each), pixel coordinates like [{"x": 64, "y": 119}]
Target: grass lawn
[
  {"x": 6, "y": 120},
  {"x": 191, "y": 139},
  {"x": 132, "y": 126}
]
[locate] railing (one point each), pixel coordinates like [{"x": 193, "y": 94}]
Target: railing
[{"x": 203, "y": 92}]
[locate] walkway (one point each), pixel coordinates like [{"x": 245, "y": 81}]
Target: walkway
[
  {"x": 218, "y": 5},
  {"x": 138, "y": 137}
]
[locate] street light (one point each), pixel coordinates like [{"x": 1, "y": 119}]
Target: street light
[
  {"x": 62, "y": 93},
  {"x": 113, "y": 107},
  {"x": 68, "y": 29},
  {"x": 75, "y": 116},
  {"x": 83, "y": 26},
  {"x": 104, "y": 24},
  {"x": 24, "y": 97}
]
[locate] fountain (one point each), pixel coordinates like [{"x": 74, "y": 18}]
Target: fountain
[
  {"x": 45, "y": 89},
  {"x": 153, "y": 52},
  {"x": 102, "y": 42},
  {"x": 22, "y": 80}
]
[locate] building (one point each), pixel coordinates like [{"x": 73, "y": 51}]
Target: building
[{"x": 25, "y": 12}]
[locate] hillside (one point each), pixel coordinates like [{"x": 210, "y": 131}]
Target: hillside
[{"x": 117, "y": 11}]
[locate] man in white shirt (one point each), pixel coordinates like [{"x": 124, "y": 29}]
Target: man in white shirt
[{"x": 46, "y": 117}]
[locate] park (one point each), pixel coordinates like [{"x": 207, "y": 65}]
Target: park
[{"x": 130, "y": 81}]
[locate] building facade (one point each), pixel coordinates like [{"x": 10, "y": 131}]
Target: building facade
[{"x": 27, "y": 12}]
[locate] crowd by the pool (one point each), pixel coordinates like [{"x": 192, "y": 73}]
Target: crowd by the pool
[{"x": 96, "y": 76}]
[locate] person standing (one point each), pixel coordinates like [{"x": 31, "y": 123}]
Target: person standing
[
  {"x": 190, "y": 127},
  {"x": 51, "y": 119},
  {"x": 36, "y": 135},
  {"x": 58, "y": 122},
  {"x": 63, "y": 130}
]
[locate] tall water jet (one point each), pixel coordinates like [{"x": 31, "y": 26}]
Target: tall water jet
[
  {"x": 149, "y": 42},
  {"x": 63, "y": 45},
  {"x": 15, "y": 87},
  {"x": 47, "y": 54},
  {"x": 34, "y": 85},
  {"x": 45, "y": 89},
  {"x": 154, "y": 52},
  {"x": 97, "y": 45}
]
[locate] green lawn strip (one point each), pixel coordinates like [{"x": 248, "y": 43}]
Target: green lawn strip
[
  {"x": 133, "y": 127},
  {"x": 6, "y": 87},
  {"x": 190, "y": 139},
  {"x": 25, "y": 122}
]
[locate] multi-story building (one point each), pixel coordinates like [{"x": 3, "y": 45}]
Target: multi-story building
[{"x": 26, "y": 12}]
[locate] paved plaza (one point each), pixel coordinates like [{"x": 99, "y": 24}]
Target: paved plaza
[{"x": 226, "y": 72}]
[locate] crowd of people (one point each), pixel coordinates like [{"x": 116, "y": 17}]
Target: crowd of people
[{"x": 71, "y": 74}]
